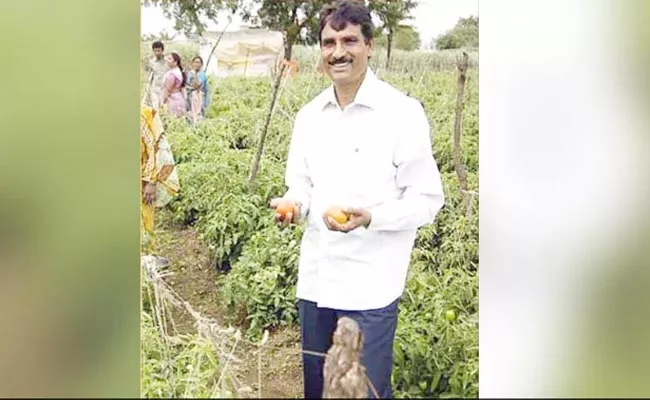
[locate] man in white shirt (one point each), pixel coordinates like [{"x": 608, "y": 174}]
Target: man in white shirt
[{"x": 364, "y": 146}]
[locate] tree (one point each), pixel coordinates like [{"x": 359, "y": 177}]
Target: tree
[
  {"x": 470, "y": 21},
  {"x": 406, "y": 38},
  {"x": 391, "y": 13},
  {"x": 189, "y": 15},
  {"x": 463, "y": 35},
  {"x": 292, "y": 18}
]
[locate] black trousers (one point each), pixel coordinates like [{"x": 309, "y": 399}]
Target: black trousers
[{"x": 317, "y": 326}]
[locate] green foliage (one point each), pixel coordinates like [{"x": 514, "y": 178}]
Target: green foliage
[
  {"x": 261, "y": 289},
  {"x": 452, "y": 241},
  {"x": 297, "y": 20},
  {"x": 290, "y": 17},
  {"x": 189, "y": 16},
  {"x": 391, "y": 13},
  {"x": 406, "y": 38},
  {"x": 434, "y": 357},
  {"x": 463, "y": 35},
  {"x": 469, "y": 22},
  {"x": 215, "y": 195},
  {"x": 404, "y": 62},
  {"x": 189, "y": 368}
]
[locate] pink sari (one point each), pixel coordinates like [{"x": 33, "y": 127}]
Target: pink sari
[{"x": 175, "y": 99}]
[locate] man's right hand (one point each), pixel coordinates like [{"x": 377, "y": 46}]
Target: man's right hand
[{"x": 286, "y": 211}]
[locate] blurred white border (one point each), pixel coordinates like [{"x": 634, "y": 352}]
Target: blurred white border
[{"x": 558, "y": 179}]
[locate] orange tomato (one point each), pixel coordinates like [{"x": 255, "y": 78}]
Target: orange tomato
[
  {"x": 285, "y": 208},
  {"x": 337, "y": 214}
]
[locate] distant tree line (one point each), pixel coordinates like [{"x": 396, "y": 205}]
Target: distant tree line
[{"x": 463, "y": 35}]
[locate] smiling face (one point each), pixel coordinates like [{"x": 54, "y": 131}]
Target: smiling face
[{"x": 345, "y": 53}]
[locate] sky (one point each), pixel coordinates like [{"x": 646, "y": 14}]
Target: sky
[{"x": 431, "y": 18}]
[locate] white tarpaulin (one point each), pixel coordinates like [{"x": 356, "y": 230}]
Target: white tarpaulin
[{"x": 249, "y": 52}]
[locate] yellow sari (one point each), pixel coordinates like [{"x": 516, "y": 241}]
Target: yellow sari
[{"x": 156, "y": 166}]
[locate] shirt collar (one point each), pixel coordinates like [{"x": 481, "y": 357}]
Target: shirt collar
[{"x": 366, "y": 95}]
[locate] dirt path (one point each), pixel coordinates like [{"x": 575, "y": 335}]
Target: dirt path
[{"x": 195, "y": 280}]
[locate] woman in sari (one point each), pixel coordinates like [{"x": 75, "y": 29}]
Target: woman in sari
[
  {"x": 175, "y": 80},
  {"x": 158, "y": 174},
  {"x": 197, "y": 90}
]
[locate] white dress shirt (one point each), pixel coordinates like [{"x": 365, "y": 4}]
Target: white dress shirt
[{"x": 375, "y": 154}]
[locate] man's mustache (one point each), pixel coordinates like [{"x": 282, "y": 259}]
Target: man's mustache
[{"x": 340, "y": 60}]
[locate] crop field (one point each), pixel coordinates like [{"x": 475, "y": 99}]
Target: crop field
[{"x": 231, "y": 264}]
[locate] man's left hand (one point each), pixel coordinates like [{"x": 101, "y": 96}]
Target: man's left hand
[{"x": 357, "y": 217}]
